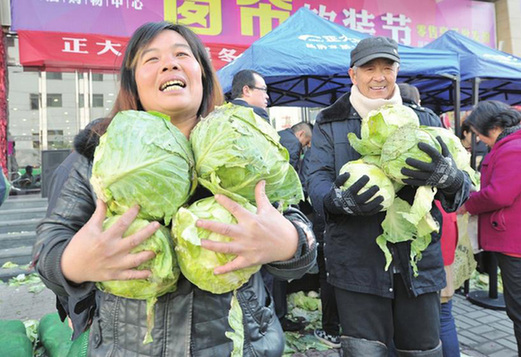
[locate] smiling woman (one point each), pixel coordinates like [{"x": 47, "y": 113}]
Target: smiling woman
[{"x": 166, "y": 70}]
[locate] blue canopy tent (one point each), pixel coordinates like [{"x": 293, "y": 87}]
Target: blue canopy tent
[
  {"x": 305, "y": 61},
  {"x": 486, "y": 73}
]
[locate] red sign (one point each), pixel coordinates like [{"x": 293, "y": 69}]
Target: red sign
[{"x": 63, "y": 51}]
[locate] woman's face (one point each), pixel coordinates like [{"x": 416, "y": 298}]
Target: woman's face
[
  {"x": 489, "y": 139},
  {"x": 168, "y": 77}
]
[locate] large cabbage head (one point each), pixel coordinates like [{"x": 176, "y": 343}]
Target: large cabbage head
[
  {"x": 460, "y": 155},
  {"x": 143, "y": 159},
  {"x": 359, "y": 168},
  {"x": 197, "y": 264},
  {"x": 401, "y": 145},
  {"x": 379, "y": 124},
  {"x": 164, "y": 268},
  {"x": 234, "y": 149}
]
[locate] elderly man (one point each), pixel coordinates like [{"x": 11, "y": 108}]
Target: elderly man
[{"x": 378, "y": 308}]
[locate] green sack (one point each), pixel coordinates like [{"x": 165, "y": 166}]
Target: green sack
[
  {"x": 55, "y": 335},
  {"x": 13, "y": 339},
  {"x": 80, "y": 345}
]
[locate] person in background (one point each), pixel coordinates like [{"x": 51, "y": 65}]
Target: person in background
[
  {"x": 498, "y": 202},
  {"x": 295, "y": 139},
  {"x": 28, "y": 180},
  {"x": 376, "y": 307},
  {"x": 76, "y": 253},
  {"x": 411, "y": 98},
  {"x": 5, "y": 186},
  {"x": 249, "y": 90},
  {"x": 449, "y": 238}
]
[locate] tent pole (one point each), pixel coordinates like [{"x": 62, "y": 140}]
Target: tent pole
[
  {"x": 457, "y": 106},
  {"x": 475, "y": 90}
]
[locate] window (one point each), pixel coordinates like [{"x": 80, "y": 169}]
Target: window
[
  {"x": 97, "y": 77},
  {"x": 34, "y": 99},
  {"x": 54, "y": 75},
  {"x": 81, "y": 100},
  {"x": 54, "y": 100},
  {"x": 97, "y": 100}
]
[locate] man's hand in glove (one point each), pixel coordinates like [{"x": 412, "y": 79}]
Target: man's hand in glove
[
  {"x": 350, "y": 200},
  {"x": 441, "y": 172}
]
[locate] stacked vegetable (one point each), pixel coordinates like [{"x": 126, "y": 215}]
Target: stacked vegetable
[
  {"x": 234, "y": 149},
  {"x": 389, "y": 136},
  {"x": 143, "y": 159}
]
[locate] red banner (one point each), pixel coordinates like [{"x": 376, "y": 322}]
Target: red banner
[
  {"x": 59, "y": 50},
  {"x": 3, "y": 105}
]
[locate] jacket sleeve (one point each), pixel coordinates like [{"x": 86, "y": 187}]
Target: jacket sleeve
[
  {"x": 452, "y": 203},
  {"x": 306, "y": 254},
  {"x": 504, "y": 186},
  {"x": 74, "y": 207},
  {"x": 321, "y": 168}
]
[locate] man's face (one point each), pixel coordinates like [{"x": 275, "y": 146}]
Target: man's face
[
  {"x": 303, "y": 138},
  {"x": 256, "y": 95},
  {"x": 376, "y": 78}
]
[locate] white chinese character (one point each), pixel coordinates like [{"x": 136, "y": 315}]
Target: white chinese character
[
  {"x": 321, "y": 47},
  {"x": 227, "y": 55},
  {"x": 137, "y": 4},
  {"x": 78, "y": 2},
  {"x": 74, "y": 45},
  {"x": 109, "y": 46},
  {"x": 396, "y": 29},
  {"x": 331, "y": 16},
  {"x": 311, "y": 38},
  {"x": 310, "y": 45},
  {"x": 359, "y": 22},
  {"x": 116, "y": 3},
  {"x": 96, "y": 2},
  {"x": 53, "y": 0}
]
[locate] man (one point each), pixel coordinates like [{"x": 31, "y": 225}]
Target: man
[
  {"x": 249, "y": 90},
  {"x": 378, "y": 308},
  {"x": 295, "y": 139}
]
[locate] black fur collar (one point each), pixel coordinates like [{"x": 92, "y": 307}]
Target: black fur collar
[
  {"x": 86, "y": 141},
  {"x": 339, "y": 110}
]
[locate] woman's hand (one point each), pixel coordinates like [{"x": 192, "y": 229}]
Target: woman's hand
[
  {"x": 97, "y": 255},
  {"x": 462, "y": 209},
  {"x": 259, "y": 238}
]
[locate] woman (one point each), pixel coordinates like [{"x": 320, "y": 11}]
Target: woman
[
  {"x": 166, "y": 69},
  {"x": 498, "y": 202}
]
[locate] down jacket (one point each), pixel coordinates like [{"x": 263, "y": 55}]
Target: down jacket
[
  {"x": 498, "y": 202},
  {"x": 354, "y": 261},
  {"x": 188, "y": 322}
]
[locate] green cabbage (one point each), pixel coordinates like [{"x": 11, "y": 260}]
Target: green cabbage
[
  {"x": 378, "y": 125},
  {"x": 358, "y": 168},
  {"x": 234, "y": 149},
  {"x": 401, "y": 145},
  {"x": 143, "y": 159},
  {"x": 164, "y": 268},
  {"x": 197, "y": 264}
]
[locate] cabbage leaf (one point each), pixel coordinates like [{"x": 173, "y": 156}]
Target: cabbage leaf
[{"x": 143, "y": 159}]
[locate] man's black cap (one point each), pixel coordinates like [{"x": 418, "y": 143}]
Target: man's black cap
[{"x": 374, "y": 47}]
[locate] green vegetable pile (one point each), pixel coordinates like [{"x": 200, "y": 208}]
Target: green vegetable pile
[
  {"x": 388, "y": 137},
  {"x": 143, "y": 159}
]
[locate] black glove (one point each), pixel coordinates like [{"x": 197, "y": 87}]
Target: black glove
[
  {"x": 441, "y": 172},
  {"x": 349, "y": 201}
]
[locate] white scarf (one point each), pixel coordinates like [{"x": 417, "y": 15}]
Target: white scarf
[{"x": 364, "y": 105}]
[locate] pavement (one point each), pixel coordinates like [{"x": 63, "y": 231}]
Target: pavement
[{"x": 481, "y": 332}]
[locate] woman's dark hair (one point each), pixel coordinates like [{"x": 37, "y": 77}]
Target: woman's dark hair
[
  {"x": 491, "y": 114},
  {"x": 128, "y": 98}
]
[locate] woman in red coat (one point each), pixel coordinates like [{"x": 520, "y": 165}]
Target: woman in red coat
[{"x": 498, "y": 202}]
